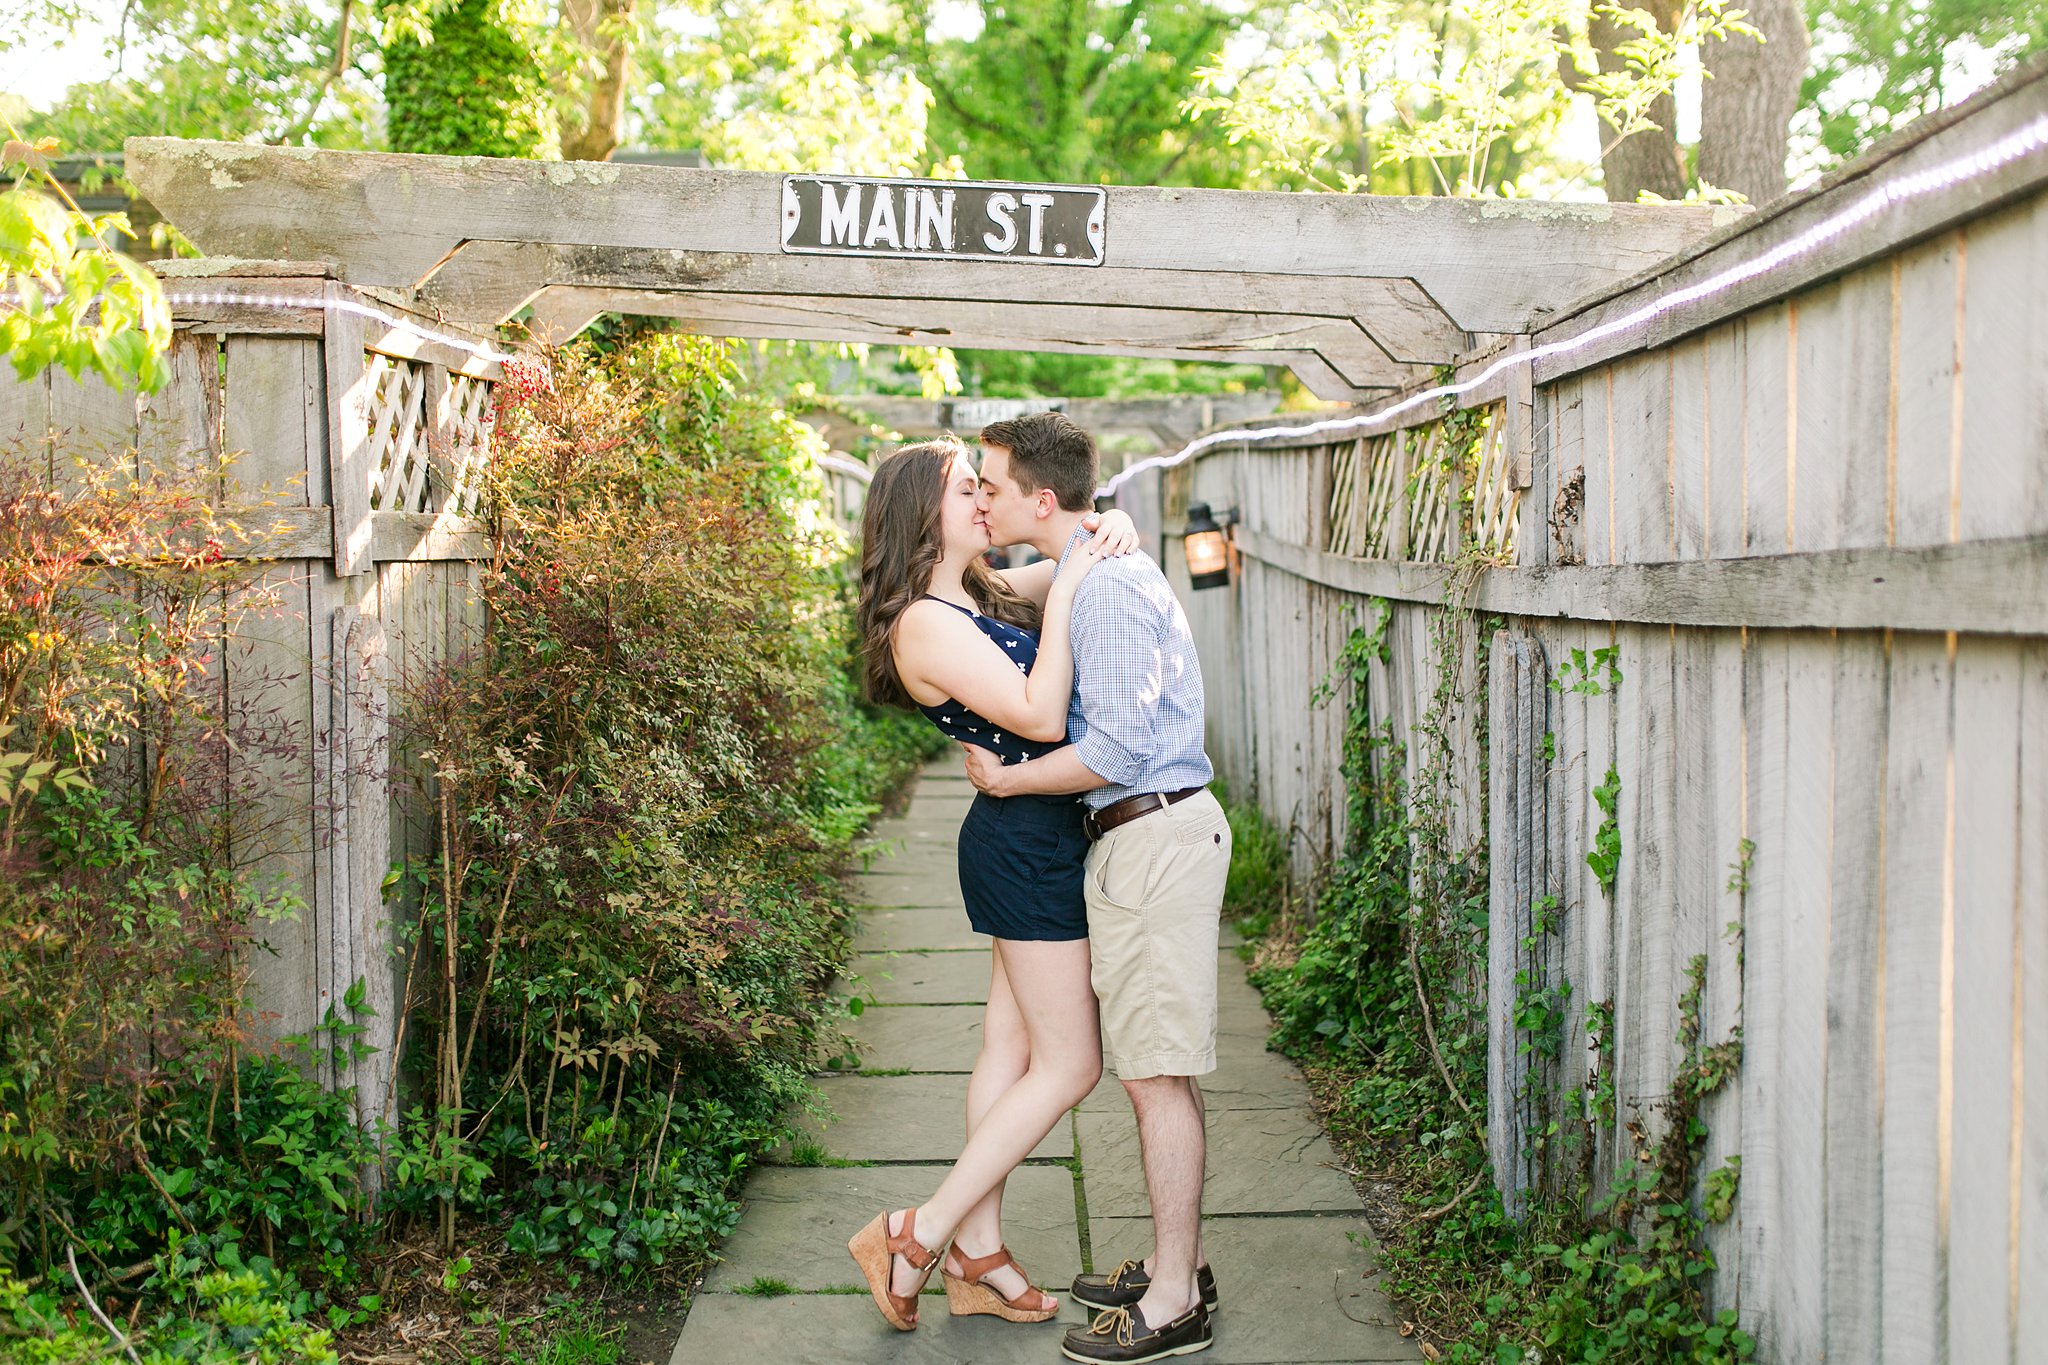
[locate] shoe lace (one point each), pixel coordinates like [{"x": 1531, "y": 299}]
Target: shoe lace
[
  {"x": 1114, "y": 1322},
  {"x": 1116, "y": 1277}
]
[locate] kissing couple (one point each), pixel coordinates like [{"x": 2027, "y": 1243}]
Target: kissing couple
[{"x": 1093, "y": 857}]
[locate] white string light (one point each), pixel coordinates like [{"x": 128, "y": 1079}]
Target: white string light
[
  {"x": 185, "y": 298},
  {"x": 2030, "y": 138}
]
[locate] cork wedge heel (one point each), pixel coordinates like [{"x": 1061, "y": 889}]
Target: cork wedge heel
[
  {"x": 967, "y": 1293},
  {"x": 872, "y": 1249}
]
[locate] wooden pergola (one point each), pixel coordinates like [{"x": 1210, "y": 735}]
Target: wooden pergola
[{"x": 1358, "y": 295}]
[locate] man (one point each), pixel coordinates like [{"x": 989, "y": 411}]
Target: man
[{"x": 1154, "y": 885}]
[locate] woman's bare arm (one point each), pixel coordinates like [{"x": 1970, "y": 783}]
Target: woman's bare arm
[{"x": 940, "y": 654}]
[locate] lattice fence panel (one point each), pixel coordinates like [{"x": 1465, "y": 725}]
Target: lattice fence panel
[
  {"x": 1496, "y": 503},
  {"x": 1403, "y": 496},
  {"x": 469, "y": 447},
  {"x": 1346, "y": 521},
  {"x": 1386, "y": 473},
  {"x": 398, "y": 434}
]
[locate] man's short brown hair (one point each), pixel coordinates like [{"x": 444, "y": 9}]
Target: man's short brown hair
[{"x": 1049, "y": 450}]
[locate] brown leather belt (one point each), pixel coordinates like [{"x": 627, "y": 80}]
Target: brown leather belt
[{"x": 1100, "y": 822}]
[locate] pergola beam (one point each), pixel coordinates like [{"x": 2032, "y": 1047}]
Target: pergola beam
[
  {"x": 388, "y": 219},
  {"x": 491, "y": 281},
  {"x": 1337, "y": 360}
]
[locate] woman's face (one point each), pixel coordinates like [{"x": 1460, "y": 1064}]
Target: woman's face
[{"x": 963, "y": 512}]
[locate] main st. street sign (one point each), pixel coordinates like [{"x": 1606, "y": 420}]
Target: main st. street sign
[{"x": 951, "y": 219}]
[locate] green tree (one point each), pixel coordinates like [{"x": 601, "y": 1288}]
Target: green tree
[
  {"x": 1460, "y": 96},
  {"x": 1076, "y": 90},
  {"x": 466, "y": 79},
  {"x": 1880, "y": 64},
  {"x": 269, "y": 70}
]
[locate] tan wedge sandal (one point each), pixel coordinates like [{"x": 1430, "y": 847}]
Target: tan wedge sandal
[
  {"x": 873, "y": 1246},
  {"x": 968, "y": 1292}
]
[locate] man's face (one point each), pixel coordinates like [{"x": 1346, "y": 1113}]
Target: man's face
[{"x": 1012, "y": 513}]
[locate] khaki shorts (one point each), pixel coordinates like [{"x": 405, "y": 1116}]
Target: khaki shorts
[{"x": 1155, "y": 897}]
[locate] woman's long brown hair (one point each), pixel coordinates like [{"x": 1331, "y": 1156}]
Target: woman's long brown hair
[{"x": 900, "y": 545}]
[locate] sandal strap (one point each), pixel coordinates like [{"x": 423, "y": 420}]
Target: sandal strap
[
  {"x": 906, "y": 1245},
  {"x": 975, "y": 1267}
]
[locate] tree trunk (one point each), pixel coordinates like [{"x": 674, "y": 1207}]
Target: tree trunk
[
  {"x": 603, "y": 29},
  {"x": 1649, "y": 159},
  {"x": 1747, "y": 103}
]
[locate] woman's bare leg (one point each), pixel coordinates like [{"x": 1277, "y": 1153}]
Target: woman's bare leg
[
  {"x": 1049, "y": 983},
  {"x": 1004, "y": 1057}
]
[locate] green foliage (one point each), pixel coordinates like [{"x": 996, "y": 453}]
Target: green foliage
[
  {"x": 276, "y": 71},
  {"x": 1376, "y": 998},
  {"x": 230, "y": 1313},
  {"x": 1605, "y": 855},
  {"x": 75, "y": 302},
  {"x": 1879, "y": 64},
  {"x": 1030, "y": 374},
  {"x": 1395, "y": 96},
  {"x": 1582, "y": 675},
  {"x": 465, "y": 80},
  {"x": 643, "y": 779},
  {"x": 1078, "y": 92},
  {"x": 1257, "y": 882}
]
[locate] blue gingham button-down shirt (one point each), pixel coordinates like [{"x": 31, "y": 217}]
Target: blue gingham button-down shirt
[{"x": 1136, "y": 717}]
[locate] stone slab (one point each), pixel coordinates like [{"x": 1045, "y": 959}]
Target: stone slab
[
  {"x": 1292, "y": 1289},
  {"x": 834, "y": 1329},
  {"x": 943, "y": 1038},
  {"x": 907, "y": 978},
  {"x": 938, "y": 807},
  {"x": 1260, "y": 1161},
  {"x": 796, "y": 1222},
  {"x": 913, "y": 889},
  {"x": 926, "y": 928},
  {"x": 1246, "y": 1077},
  {"x": 904, "y": 1118}
]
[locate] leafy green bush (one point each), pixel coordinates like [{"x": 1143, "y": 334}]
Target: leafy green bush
[
  {"x": 208, "y": 1315},
  {"x": 644, "y": 780}
]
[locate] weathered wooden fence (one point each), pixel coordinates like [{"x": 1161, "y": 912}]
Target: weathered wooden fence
[
  {"x": 1809, "y": 516},
  {"x": 361, "y": 448}
]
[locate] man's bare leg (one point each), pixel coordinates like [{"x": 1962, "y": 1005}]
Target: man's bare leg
[{"x": 1170, "y": 1120}]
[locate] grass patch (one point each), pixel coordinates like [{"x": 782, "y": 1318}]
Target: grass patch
[{"x": 766, "y": 1287}]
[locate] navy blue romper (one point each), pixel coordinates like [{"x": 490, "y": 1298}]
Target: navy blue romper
[{"x": 1021, "y": 857}]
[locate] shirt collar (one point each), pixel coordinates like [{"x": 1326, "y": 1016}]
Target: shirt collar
[{"x": 1080, "y": 534}]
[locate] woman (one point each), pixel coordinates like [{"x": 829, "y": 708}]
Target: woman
[{"x": 985, "y": 655}]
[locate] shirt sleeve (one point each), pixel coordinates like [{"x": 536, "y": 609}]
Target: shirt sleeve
[{"x": 1121, "y": 672}]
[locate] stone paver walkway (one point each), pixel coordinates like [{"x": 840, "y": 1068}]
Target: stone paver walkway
[{"x": 1293, "y": 1253}]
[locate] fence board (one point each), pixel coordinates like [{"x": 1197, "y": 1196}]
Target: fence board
[
  {"x": 269, "y": 420},
  {"x": 1728, "y": 818},
  {"x": 1855, "y": 1199},
  {"x": 1765, "y": 698},
  {"x": 1726, "y": 473},
  {"x": 1929, "y": 302},
  {"x": 1844, "y": 396},
  {"x": 1686, "y": 468},
  {"x": 1802, "y": 1031},
  {"x": 1642, "y": 896},
  {"x": 265, "y": 671},
  {"x": 1596, "y": 520},
  {"x": 2003, "y": 480},
  {"x": 2030, "y": 1192},
  {"x": 1766, "y": 424},
  {"x": 1985, "y": 858},
  {"x": 1918, "y": 816}
]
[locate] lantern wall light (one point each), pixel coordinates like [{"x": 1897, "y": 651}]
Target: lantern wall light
[{"x": 1206, "y": 543}]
